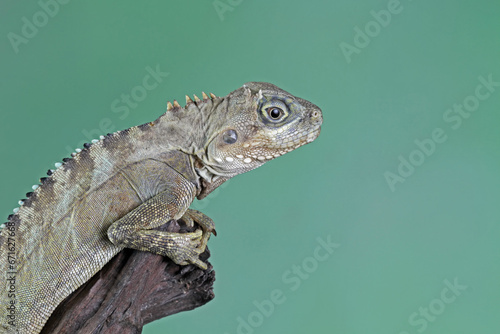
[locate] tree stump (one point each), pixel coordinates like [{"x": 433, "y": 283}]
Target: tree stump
[{"x": 133, "y": 289}]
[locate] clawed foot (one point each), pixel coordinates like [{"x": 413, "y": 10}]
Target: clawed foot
[
  {"x": 186, "y": 248},
  {"x": 207, "y": 224}
]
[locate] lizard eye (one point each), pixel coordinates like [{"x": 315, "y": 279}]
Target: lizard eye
[
  {"x": 230, "y": 137},
  {"x": 275, "y": 112}
]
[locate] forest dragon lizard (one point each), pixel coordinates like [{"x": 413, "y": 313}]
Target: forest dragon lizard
[{"x": 114, "y": 192}]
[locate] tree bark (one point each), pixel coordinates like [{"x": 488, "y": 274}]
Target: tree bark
[{"x": 133, "y": 289}]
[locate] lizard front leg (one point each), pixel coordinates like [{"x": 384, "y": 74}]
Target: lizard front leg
[{"x": 136, "y": 229}]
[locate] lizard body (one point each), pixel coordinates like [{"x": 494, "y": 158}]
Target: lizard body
[{"x": 114, "y": 193}]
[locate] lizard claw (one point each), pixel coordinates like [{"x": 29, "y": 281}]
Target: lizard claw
[
  {"x": 188, "y": 220},
  {"x": 205, "y": 222},
  {"x": 188, "y": 248}
]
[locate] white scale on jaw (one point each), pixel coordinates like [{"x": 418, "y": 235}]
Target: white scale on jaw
[
  {"x": 239, "y": 156},
  {"x": 310, "y": 137}
]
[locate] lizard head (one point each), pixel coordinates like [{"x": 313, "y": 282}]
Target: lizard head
[{"x": 260, "y": 122}]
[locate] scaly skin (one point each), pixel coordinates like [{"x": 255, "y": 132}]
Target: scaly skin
[{"x": 114, "y": 193}]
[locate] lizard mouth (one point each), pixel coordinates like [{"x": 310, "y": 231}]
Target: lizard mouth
[
  {"x": 308, "y": 137},
  {"x": 313, "y": 135},
  {"x": 298, "y": 142}
]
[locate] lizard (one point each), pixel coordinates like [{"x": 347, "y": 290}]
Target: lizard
[{"x": 118, "y": 189}]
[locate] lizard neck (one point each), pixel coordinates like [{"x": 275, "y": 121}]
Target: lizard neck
[
  {"x": 190, "y": 129},
  {"x": 208, "y": 180}
]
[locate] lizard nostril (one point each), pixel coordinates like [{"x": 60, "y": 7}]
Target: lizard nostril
[{"x": 315, "y": 114}]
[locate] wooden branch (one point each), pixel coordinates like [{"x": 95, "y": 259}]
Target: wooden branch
[{"x": 133, "y": 289}]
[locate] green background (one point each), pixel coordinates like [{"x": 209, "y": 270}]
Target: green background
[{"x": 397, "y": 248}]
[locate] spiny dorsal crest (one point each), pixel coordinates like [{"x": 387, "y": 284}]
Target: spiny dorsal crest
[
  {"x": 36, "y": 188},
  {"x": 197, "y": 101}
]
